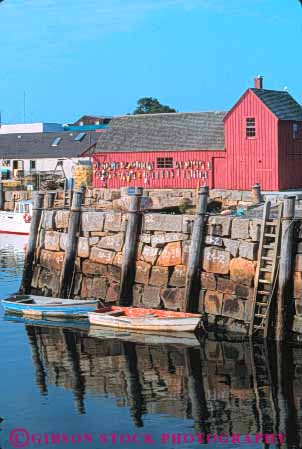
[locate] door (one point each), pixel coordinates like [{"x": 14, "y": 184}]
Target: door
[{"x": 219, "y": 173}]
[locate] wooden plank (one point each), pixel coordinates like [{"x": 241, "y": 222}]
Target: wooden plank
[
  {"x": 192, "y": 289},
  {"x": 128, "y": 261},
  {"x": 32, "y": 243},
  {"x": 285, "y": 272},
  {"x": 66, "y": 278}
]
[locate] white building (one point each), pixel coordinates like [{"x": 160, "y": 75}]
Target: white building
[
  {"x": 27, "y": 128},
  {"x": 27, "y": 153}
]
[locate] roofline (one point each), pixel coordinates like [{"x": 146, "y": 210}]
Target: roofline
[
  {"x": 48, "y": 145},
  {"x": 262, "y": 102},
  {"x": 52, "y": 133},
  {"x": 249, "y": 90},
  {"x": 221, "y": 150},
  {"x": 236, "y": 104},
  {"x": 167, "y": 113}
]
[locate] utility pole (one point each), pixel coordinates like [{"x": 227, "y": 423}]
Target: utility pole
[{"x": 24, "y": 107}]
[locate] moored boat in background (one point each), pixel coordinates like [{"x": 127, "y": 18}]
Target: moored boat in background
[{"x": 18, "y": 221}]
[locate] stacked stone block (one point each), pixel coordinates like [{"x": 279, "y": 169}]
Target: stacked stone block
[
  {"x": 50, "y": 252},
  {"x": 228, "y": 269},
  {"x": 161, "y": 261},
  {"x": 106, "y": 199},
  {"x": 97, "y": 268}
]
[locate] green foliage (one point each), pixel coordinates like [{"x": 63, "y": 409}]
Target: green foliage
[{"x": 149, "y": 105}]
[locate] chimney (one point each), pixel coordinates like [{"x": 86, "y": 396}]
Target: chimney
[{"x": 258, "y": 82}]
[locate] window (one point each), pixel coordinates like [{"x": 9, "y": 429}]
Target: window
[
  {"x": 56, "y": 141},
  {"x": 6, "y": 163},
  {"x": 295, "y": 130},
  {"x": 251, "y": 127},
  {"x": 18, "y": 165},
  {"x": 164, "y": 162},
  {"x": 32, "y": 165},
  {"x": 80, "y": 137}
]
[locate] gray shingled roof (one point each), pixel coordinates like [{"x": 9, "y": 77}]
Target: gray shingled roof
[
  {"x": 164, "y": 132},
  {"x": 38, "y": 145},
  {"x": 281, "y": 103}
]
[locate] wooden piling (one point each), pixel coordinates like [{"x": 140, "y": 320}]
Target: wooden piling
[
  {"x": 194, "y": 263},
  {"x": 284, "y": 299},
  {"x": 67, "y": 274},
  {"x": 256, "y": 193},
  {"x": 1, "y": 197},
  {"x": 196, "y": 390},
  {"x": 41, "y": 377},
  {"x": 133, "y": 383},
  {"x": 129, "y": 252},
  {"x": 38, "y": 200}
]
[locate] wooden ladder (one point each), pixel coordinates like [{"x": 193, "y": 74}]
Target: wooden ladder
[{"x": 266, "y": 272}]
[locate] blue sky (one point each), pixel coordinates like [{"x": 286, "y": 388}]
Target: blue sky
[{"x": 75, "y": 57}]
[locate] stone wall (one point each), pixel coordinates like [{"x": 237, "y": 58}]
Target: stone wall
[
  {"x": 169, "y": 198},
  {"x": 227, "y": 271},
  {"x": 163, "y": 244},
  {"x": 106, "y": 199},
  {"x": 185, "y": 199},
  {"x": 97, "y": 267}
]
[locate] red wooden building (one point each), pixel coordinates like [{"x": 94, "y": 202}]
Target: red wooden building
[{"x": 258, "y": 140}]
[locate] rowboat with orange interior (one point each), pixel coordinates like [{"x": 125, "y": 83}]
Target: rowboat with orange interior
[{"x": 148, "y": 320}]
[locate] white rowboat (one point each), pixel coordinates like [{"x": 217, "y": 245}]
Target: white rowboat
[{"x": 149, "y": 320}]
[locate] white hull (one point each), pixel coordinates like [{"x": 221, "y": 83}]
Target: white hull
[
  {"x": 13, "y": 223},
  {"x": 145, "y": 324}
]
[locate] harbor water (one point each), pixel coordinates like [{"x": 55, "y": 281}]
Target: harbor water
[{"x": 65, "y": 387}]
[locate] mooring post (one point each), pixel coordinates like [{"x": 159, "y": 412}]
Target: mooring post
[
  {"x": 67, "y": 273},
  {"x": 194, "y": 263},
  {"x": 256, "y": 193},
  {"x": 38, "y": 200},
  {"x": 284, "y": 298},
  {"x": 50, "y": 200},
  {"x": 128, "y": 261},
  {"x": 1, "y": 197}
]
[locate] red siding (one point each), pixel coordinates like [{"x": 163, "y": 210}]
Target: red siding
[
  {"x": 273, "y": 158},
  {"x": 290, "y": 157},
  {"x": 251, "y": 160},
  {"x": 199, "y": 171}
]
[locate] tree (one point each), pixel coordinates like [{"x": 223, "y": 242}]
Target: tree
[{"x": 149, "y": 105}]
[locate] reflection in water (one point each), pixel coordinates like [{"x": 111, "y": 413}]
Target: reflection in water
[
  {"x": 231, "y": 387},
  {"x": 12, "y": 250},
  {"x": 224, "y": 386}
]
